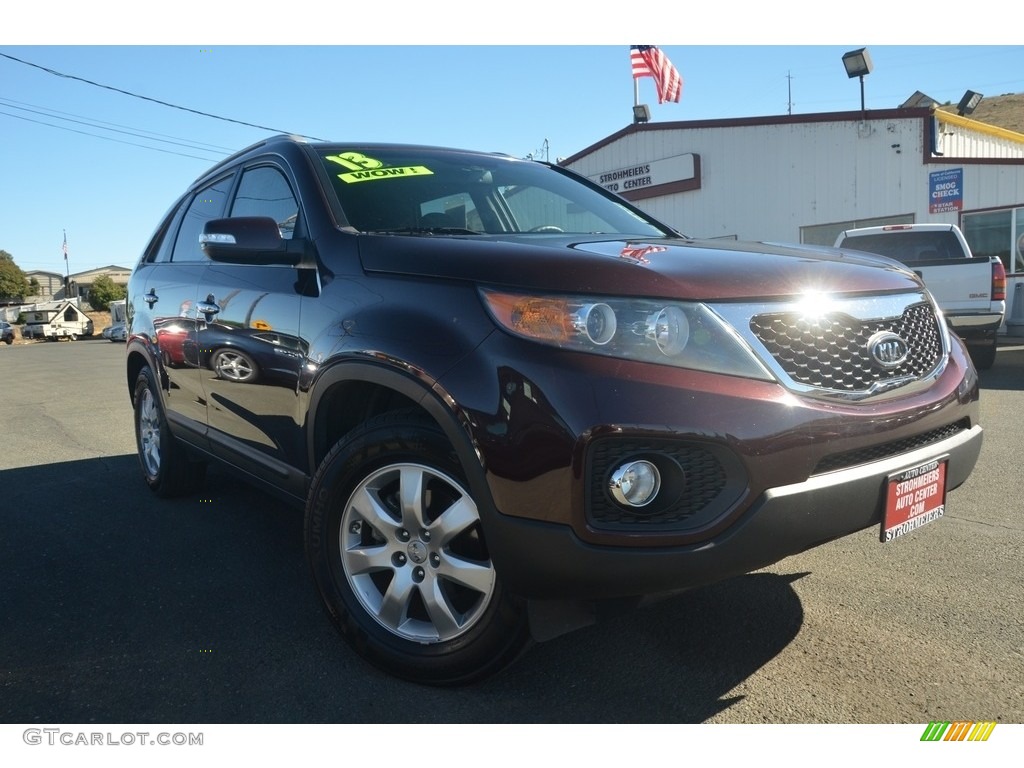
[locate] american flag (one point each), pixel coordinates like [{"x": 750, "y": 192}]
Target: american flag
[
  {"x": 649, "y": 61},
  {"x": 65, "y": 247}
]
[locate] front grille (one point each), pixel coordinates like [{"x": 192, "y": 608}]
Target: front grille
[
  {"x": 698, "y": 484},
  {"x": 830, "y": 351},
  {"x": 886, "y": 450}
]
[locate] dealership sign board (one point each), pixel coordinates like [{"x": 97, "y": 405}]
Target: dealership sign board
[
  {"x": 946, "y": 191},
  {"x": 652, "y": 177}
]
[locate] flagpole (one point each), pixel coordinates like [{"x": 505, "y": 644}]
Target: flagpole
[{"x": 67, "y": 269}]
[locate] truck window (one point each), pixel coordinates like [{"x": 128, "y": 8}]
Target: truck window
[{"x": 909, "y": 247}]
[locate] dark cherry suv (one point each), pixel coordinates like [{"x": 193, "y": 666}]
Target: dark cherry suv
[{"x": 504, "y": 395}]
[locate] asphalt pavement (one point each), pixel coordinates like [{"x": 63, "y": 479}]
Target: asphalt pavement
[{"x": 119, "y": 607}]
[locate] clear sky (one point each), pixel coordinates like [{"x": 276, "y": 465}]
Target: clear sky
[{"x": 103, "y": 166}]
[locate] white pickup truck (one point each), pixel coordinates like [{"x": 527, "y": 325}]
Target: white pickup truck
[{"x": 970, "y": 291}]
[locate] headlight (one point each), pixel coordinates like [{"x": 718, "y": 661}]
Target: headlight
[{"x": 682, "y": 334}]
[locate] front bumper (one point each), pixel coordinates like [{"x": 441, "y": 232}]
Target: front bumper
[{"x": 548, "y": 561}]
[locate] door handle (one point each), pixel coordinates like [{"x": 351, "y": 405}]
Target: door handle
[{"x": 207, "y": 308}]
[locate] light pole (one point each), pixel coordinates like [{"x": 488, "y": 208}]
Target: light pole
[{"x": 858, "y": 64}]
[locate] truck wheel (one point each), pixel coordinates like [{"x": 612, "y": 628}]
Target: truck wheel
[
  {"x": 397, "y": 552},
  {"x": 166, "y": 465},
  {"x": 983, "y": 355}
]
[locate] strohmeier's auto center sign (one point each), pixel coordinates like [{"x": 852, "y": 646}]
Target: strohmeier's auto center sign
[{"x": 654, "y": 177}]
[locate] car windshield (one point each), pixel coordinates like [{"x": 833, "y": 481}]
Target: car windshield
[{"x": 427, "y": 191}]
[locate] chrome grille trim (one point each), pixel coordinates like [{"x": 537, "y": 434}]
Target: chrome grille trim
[{"x": 818, "y": 347}]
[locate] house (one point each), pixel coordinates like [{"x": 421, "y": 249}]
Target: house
[
  {"x": 82, "y": 281},
  {"x": 52, "y": 284}
]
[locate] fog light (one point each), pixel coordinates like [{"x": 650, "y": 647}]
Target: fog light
[{"x": 635, "y": 483}]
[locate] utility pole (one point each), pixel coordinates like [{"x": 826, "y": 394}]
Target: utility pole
[
  {"x": 541, "y": 154},
  {"x": 789, "y": 85}
]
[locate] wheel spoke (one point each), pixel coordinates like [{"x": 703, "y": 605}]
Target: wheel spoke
[
  {"x": 411, "y": 484},
  {"x": 454, "y": 520},
  {"x": 476, "y": 576},
  {"x": 441, "y": 614},
  {"x": 394, "y": 607},
  {"x": 360, "y": 560},
  {"x": 366, "y": 506}
]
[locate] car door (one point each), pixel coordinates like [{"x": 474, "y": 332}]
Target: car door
[
  {"x": 250, "y": 351},
  {"x": 167, "y": 307}
]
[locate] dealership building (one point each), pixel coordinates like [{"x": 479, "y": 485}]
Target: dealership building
[{"x": 806, "y": 178}]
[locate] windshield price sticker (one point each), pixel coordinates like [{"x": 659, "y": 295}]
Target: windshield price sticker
[
  {"x": 364, "y": 168},
  {"x": 914, "y": 498}
]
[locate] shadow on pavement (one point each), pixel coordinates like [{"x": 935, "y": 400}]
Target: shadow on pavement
[
  {"x": 119, "y": 607},
  {"x": 1008, "y": 371}
]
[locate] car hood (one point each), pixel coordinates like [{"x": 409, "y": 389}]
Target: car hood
[{"x": 665, "y": 268}]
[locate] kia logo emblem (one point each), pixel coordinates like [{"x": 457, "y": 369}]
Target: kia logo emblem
[{"x": 887, "y": 350}]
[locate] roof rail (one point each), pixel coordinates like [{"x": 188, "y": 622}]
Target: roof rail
[{"x": 255, "y": 145}]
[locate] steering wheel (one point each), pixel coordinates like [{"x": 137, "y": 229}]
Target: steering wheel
[{"x": 546, "y": 228}]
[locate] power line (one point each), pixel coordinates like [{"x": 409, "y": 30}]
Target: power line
[
  {"x": 146, "y": 98},
  {"x": 97, "y": 136},
  {"x": 60, "y": 115},
  {"x": 103, "y": 127}
]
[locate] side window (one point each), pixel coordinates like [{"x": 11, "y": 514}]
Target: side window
[
  {"x": 207, "y": 204},
  {"x": 264, "y": 191},
  {"x": 159, "y": 248}
]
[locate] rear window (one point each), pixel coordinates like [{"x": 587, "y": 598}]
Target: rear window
[{"x": 909, "y": 247}]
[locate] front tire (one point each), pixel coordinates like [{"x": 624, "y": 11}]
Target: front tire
[
  {"x": 396, "y": 548},
  {"x": 166, "y": 466}
]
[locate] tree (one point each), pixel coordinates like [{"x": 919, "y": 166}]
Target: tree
[
  {"x": 13, "y": 283},
  {"x": 103, "y": 291}
]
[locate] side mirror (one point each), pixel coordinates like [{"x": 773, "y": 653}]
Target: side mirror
[{"x": 249, "y": 240}]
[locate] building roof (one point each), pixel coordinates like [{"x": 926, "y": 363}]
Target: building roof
[
  {"x": 922, "y": 113},
  {"x": 99, "y": 271}
]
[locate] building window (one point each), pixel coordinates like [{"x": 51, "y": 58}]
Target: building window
[{"x": 997, "y": 233}]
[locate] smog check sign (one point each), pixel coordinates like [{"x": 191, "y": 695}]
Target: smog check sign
[{"x": 914, "y": 498}]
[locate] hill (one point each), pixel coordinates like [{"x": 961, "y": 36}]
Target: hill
[{"x": 1006, "y": 111}]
